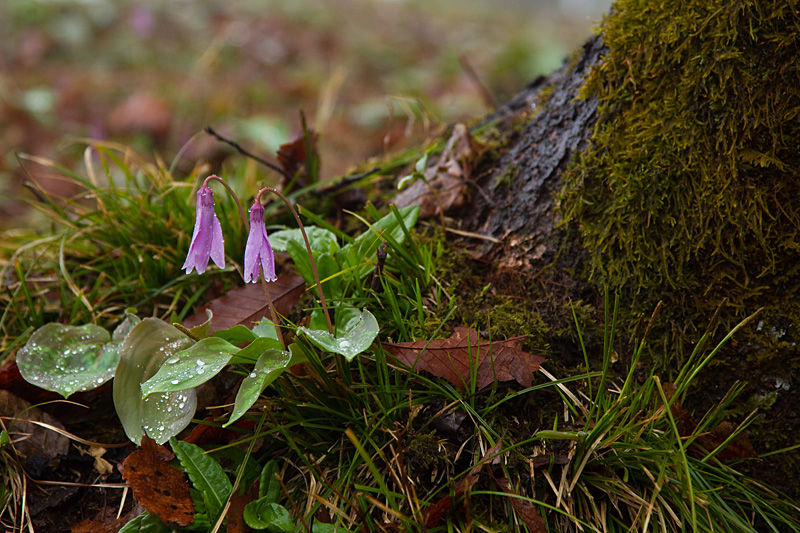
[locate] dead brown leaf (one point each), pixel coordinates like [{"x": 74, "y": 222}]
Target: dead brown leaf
[
  {"x": 292, "y": 156},
  {"x": 434, "y": 513},
  {"x": 162, "y": 489},
  {"x": 526, "y": 511},
  {"x": 452, "y": 359},
  {"x": 739, "y": 447},
  {"x": 447, "y": 184},
  {"x": 247, "y": 305},
  {"x": 30, "y": 439}
]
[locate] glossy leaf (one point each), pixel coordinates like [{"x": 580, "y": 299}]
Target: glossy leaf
[
  {"x": 268, "y": 367},
  {"x": 146, "y": 523},
  {"x": 320, "y": 239},
  {"x": 349, "y": 344},
  {"x": 205, "y": 473},
  {"x": 68, "y": 359},
  {"x": 269, "y": 487},
  {"x": 261, "y": 514},
  {"x": 142, "y": 353},
  {"x": 191, "y": 367}
]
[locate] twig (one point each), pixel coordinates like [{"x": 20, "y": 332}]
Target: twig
[{"x": 246, "y": 153}]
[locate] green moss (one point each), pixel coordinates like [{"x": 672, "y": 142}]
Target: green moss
[{"x": 689, "y": 191}]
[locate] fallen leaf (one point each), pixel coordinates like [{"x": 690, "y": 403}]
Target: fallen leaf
[
  {"x": 30, "y": 439},
  {"x": 162, "y": 489},
  {"x": 435, "y": 512},
  {"x": 453, "y": 358},
  {"x": 739, "y": 447},
  {"x": 449, "y": 177},
  {"x": 102, "y": 466},
  {"x": 247, "y": 305},
  {"x": 526, "y": 511},
  {"x": 292, "y": 155}
]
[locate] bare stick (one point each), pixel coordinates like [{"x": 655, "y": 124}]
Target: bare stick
[{"x": 239, "y": 148}]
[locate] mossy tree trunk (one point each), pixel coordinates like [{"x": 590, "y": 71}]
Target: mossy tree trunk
[{"x": 662, "y": 163}]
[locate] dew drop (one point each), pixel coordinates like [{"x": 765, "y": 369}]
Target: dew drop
[
  {"x": 200, "y": 362},
  {"x": 252, "y": 374},
  {"x": 344, "y": 343},
  {"x": 172, "y": 360},
  {"x": 174, "y": 381}
]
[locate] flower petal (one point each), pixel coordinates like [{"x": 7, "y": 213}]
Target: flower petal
[
  {"x": 258, "y": 252},
  {"x": 207, "y": 236}
]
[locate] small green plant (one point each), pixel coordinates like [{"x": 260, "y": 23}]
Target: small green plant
[{"x": 157, "y": 365}]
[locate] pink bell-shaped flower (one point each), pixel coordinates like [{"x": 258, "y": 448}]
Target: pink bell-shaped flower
[
  {"x": 258, "y": 251},
  {"x": 207, "y": 239}
]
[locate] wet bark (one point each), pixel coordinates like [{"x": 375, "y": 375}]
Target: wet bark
[{"x": 520, "y": 207}]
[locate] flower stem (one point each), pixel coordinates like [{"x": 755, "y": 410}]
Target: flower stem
[
  {"x": 310, "y": 254},
  {"x": 273, "y": 312},
  {"x": 233, "y": 195}
]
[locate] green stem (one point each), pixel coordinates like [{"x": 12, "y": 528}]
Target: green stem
[{"x": 310, "y": 254}]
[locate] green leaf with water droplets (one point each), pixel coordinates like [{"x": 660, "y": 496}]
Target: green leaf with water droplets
[
  {"x": 191, "y": 367},
  {"x": 354, "y": 340},
  {"x": 68, "y": 359},
  {"x": 142, "y": 353},
  {"x": 268, "y": 367}
]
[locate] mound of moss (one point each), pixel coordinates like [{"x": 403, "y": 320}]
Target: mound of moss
[{"x": 690, "y": 190}]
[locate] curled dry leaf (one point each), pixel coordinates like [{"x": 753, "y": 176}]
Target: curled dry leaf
[
  {"x": 449, "y": 177},
  {"x": 454, "y": 357},
  {"x": 292, "y": 155},
  {"x": 162, "y": 489}
]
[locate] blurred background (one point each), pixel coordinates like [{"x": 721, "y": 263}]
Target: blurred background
[{"x": 372, "y": 76}]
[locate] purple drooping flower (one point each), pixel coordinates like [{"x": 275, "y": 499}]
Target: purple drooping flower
[
  {"x": 207, "y": 239},
  {"x": 258, "y": 251}
]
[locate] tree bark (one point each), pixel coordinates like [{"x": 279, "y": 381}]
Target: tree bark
[{"x": 521, "y": 209}]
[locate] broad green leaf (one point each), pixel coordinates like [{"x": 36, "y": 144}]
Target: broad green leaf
[
  {"x": 320, "y": 239},
  {"x": 142, "y": 353},
  {"x": 236, "y": 335},
  {"x": 203, "y": 330},
  {"x": 250, "y": 353},
  {"x": 350, "y": 343},
  {"x": 261, "y": 514},
  {"x": 191, "y": 367},
  {"x": 269, "y": 488},
  {"x": 265, "y": 328},
  {"x": 205, "y": 473},
  {"x": 364, "y": 247},
  {"x": 146, "y": 523},
  {"x": 268, "y": 367},
  {"x": 67, "y": 359}
]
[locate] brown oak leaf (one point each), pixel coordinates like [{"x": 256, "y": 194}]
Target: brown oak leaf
[
  {"x": 454, "y": 357},
  {"x": 161, "y": 489},
  {"x": 247, "y": 305}
]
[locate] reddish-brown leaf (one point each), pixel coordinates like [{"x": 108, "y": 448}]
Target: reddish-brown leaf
[
  {"x": 525, "y": 510},
  {"x": 454, "y": 357},
  {"x": 160, "y": 488},
  {"x": 292, "y": 155},
  {"x": 739, "y": 447},
  {"x": 247, "y": 305},
  {"x": 434, "y": 513}
]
